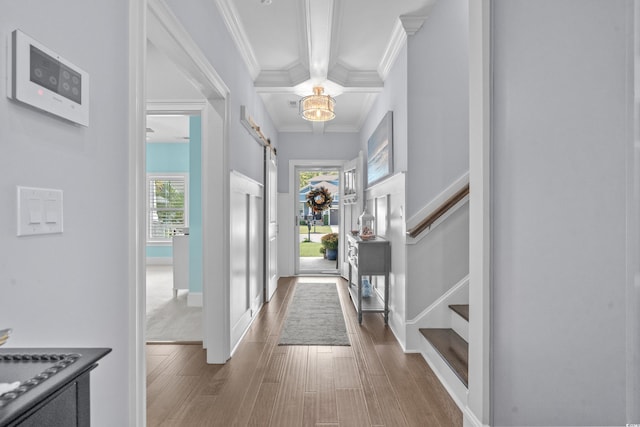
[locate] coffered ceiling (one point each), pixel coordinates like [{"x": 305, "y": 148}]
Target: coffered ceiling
[{"x": 346, "y": 46}]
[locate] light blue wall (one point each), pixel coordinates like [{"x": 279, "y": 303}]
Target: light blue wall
[
  {"x": 169, "y": 157},
  {"x": 195, "y": 204},
  {"x": 159, "y": 251}
]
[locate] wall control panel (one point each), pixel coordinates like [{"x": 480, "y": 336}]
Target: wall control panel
[
  {"x": 39, "y": 211},
  {"x": 42, "y": 79}
]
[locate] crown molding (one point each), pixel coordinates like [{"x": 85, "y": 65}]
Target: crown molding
[
  {"x": 412, "y": 24},
  {"x": 239, "y": 36},
  {"x": 349, "y": 78},
  {"x": 288, "y": 78},
  {"x": 406, "y": 25}
]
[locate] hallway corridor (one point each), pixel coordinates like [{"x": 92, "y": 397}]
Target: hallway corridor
[{"x": 370, "y": 383}]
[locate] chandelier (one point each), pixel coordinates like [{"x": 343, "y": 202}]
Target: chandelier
[{"x": 317, "y": 107}]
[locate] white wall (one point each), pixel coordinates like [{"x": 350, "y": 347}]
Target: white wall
[
  {"x": 310, "y": 146},
  {"x": 164, "y": 80},
  {"x": 438, "y": 103},
  {"x": 438, "y": 148},
  {"x": 561, "y": 94},
  {"x": 427, "y": 90},
  {"x": 392, "y": 98},
  {"x": 71, "y": 289},
  {"x": 438, "y": 261}
]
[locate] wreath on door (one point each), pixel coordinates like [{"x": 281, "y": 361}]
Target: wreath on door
[{"x": 319, "y": 199}]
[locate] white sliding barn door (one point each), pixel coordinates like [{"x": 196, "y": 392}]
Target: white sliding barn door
[
  {"x": 271, "y": 223},
  {"x": 246, "y": 253}
]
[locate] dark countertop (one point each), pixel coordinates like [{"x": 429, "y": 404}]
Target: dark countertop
[{"x": 41, "y": 372}]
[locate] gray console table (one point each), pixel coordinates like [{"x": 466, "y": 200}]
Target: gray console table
[{"x": 369, "y": 258}]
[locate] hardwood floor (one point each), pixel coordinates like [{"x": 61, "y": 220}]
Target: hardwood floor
[{"x": 370, "y": 383}]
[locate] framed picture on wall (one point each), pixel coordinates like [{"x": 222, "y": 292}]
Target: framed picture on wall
[{"x": 380, "y": 151}]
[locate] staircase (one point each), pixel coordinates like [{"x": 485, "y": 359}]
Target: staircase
[{"x": 451, "y": 343}]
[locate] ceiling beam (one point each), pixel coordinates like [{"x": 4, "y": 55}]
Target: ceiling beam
[{"x": 319, "y": 18}]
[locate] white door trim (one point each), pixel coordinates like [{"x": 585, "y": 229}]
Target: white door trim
[
  {"x": 479, "y": 404},
  {"x": 137, "y": 208}
]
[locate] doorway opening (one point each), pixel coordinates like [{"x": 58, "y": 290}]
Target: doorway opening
[
  {"x": 317, "y": 228},
  {"x": 173, "y": 200}
]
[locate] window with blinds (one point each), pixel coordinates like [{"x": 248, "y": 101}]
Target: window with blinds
[{"x": 167, "y": 206}]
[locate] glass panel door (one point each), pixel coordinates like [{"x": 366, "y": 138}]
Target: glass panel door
[{"x": 318, "y": 220}]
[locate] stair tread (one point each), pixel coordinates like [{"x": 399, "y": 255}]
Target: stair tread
[
  {"x": 453, "y": 349},
  {"x": 461, "y": 309}
]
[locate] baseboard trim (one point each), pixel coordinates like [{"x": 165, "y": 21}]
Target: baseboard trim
[
  {"x": 440, "y": 301},
  {"x": 159, "y": 261},
  {"x": 194, "y": 299},
  {"x": 154, "y": 342},
  {"x": 469, "y": 419},
  {"x": 452, "y": 385}
]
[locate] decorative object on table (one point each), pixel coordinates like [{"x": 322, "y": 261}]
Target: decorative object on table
[
  {"x": 319, "y": 199},
  {"x": 330, "y": 243},
  {"x": 380, "y": 151},
  {"x": 4, "y": 335},
  {"x": 366, "y": 288},
  {"x": 366, "y": 223}
]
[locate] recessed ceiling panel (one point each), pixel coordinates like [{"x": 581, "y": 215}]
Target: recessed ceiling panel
[{"x": 274, "y": 31}]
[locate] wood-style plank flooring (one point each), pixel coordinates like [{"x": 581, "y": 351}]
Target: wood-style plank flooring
[{"x": 370, "y": 383}]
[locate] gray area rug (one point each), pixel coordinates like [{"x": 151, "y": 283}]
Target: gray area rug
[{"x": 315, "y": 317}]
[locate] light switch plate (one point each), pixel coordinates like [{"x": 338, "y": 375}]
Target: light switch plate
[{"x": 39, "y": 211}]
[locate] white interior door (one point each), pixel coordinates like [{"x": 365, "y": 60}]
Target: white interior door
[
  {"x": 254, "y": 248},
  {"x": 271, "y": 224}
]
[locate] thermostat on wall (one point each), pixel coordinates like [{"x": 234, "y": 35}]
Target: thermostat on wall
[{"x": 42, "y": 79}]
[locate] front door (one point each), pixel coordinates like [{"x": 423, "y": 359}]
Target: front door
[{"x": 318, "y": 219}]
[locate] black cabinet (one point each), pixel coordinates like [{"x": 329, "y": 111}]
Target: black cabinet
[{"x": 54, "y": 386}]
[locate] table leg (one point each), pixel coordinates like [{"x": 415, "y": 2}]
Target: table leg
[
  {"x": 386, "y": 299},
  {"x": 359, "y": 287}
]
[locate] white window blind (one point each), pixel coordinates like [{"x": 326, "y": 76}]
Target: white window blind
[{"x": 167, "y": 202}]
